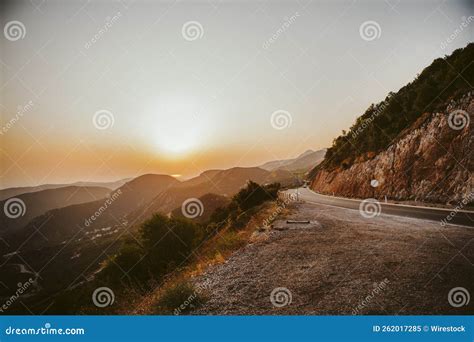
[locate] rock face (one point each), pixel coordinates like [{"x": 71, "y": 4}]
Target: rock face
[{"x": 429, "y": 162}]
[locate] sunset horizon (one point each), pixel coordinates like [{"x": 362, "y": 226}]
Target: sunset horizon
[
  {"x": 272, "y": 170},
  {"x": 182, "y": 105}
]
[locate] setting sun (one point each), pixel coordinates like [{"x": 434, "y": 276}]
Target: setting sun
[{"x": 177, "y": 127}]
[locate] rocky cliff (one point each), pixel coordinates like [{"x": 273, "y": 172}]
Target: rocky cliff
[{"x": 432, "y": 161}]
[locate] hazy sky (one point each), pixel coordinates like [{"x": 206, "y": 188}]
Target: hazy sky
[{"x": 184, "y": 86}]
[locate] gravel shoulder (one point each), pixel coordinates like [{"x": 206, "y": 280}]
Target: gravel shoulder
[{"x": 343, "y": 263}]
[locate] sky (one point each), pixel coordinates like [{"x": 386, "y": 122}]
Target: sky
[{"x": 103, "y": 90}]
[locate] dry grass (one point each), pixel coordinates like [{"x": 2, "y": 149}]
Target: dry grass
[{"x": 214, "y": 251}]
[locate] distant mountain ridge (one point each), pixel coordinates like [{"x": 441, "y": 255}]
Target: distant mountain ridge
[
  {"x": 39, "y": 202},
  {"x": 10, "y": 192},
  {"x": 221, "y": 182},
  {"x": 304, "y": 162},
  {"x": 59, "y": 224}
]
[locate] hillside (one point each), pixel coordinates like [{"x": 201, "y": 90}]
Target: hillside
[
  {"x": 76, "y": 238},
  {"x": 304, "y": 162},
  {"x": 210, "y": 202},
  {"x": 60, "y": 224},
  {"x": 445, "y": 79},
  {"x": 223, "y": 182},
  {"x": 38, "y": 203},
  {"x": 10, "y": 192},
  {"x": 407, "y": 146}
]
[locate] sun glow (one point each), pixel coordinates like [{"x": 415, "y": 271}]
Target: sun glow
[{"x": 178, "y": 128}]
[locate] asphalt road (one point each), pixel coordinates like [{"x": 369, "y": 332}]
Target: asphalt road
[{"x": 460, "y": 217}]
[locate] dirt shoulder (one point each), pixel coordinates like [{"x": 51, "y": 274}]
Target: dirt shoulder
[{"x": 342, "y": 263}]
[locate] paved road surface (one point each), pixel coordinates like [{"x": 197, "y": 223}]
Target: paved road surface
[
  {"x": 332, "y": 266},
  {"x": 462, "y": 217}
]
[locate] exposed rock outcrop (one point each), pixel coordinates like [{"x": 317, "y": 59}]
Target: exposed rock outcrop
[{"x": 429, "y": 162}]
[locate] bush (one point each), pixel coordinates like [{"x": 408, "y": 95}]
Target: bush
[
  {"x": 179, "y": 298},
  {"x": 169, "y": 241},
  {"x": 254, "y": 194},
  {"x": 165, "y": 243}
]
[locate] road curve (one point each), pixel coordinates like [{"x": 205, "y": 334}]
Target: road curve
[{"x": 461, "y": 217}]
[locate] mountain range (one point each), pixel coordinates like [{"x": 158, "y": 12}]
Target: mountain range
[
  {"x": 78, "y": 228},
  {"x": 11, "y": 192},
  {"x": 303, "y": 163},
  {"x": 39, "y": 202}
]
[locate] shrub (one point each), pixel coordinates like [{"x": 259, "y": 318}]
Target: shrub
[
  {"x": 165, "y": 243},
  {"x": 254, "y": 194},
  {"x": 179, "y": 298}
]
